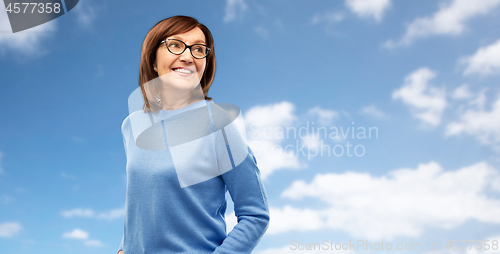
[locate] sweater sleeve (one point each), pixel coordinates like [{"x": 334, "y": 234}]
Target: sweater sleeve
[
  {"x": 250, "y": 205},
  {"x": 125, "y": 147}
]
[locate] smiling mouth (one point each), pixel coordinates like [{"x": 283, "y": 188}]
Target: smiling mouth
[{"x": 182, "y": 70}]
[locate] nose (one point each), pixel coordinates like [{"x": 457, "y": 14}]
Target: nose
[{"x": 186, "y": 56}]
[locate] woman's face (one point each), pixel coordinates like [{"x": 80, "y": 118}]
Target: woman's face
[{"x": 166, "y": 62}]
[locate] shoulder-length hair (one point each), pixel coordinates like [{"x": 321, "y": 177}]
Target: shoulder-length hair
[{"x": 163, "y": 29}]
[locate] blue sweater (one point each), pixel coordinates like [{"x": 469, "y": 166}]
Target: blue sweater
[{"x": 163, "y": 217}]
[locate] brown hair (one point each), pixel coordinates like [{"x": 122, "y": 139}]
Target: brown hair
[{"x": 163, "y": 29}]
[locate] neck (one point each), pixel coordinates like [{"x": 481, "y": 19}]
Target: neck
[{"x": 174, "y": 99}]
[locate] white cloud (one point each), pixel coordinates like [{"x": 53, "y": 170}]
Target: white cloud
[
  {"x": 273, "y": 115},
  {"x": 112, "y": 214},
  {"x": 9, "y": 229},
  {"x": 483, "y": 124},
  {"x": 301, "y": 247},
  {"x": 462, "y": 92},
  {"x": 231, "y": 221},
  {"x": 89, "y": 213},
  {"x": 262, "y": 31},
  {"x": 95, "y": 243},
  {"x": 234, "y": 9},
  {"x": 471, "y": 249},
  {"x": 486, "y": 61},
  {"x": 85, "y": 13},
  {"x": 490, "y": 249},
  {"x": 327, "y": 17},
  {"x": 474, "y": 100},
  {"x": 278, "y": 138},
  {"x": 372, "y": 110},
  {"x": 78, "y": 212},
  {"x": 282, "y": 250},
  {"x": 82, "y": 235},
  {"x": 480, "y": 99},
  {"x": 449, "y": 20},
  {"x": 325, "y": 116},
  {"x": 76, "y": 234},
  {"x": 289, "y": 218},
  {"x": 401, "y": 203},
  {"x": 312, "y": 141},
  {"x": 263, "y": 125},
  {"x": 426, "y": 102},
  {"x": 369, "y": 8},
  {"x": 27, "y": 42}
]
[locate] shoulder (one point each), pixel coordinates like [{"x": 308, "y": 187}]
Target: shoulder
[
  {"x": 126, "y": 124},
  {"x": 223, "y": 113}
]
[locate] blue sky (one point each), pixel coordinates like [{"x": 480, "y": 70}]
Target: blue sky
[{"x": 424, "y": 74}]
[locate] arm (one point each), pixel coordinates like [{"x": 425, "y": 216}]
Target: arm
[
  {"x": 120, "y": 248},
  {"x": 250, "y": 205}
]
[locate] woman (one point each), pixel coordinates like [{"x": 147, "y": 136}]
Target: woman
[{"x": 173, "y": 211}]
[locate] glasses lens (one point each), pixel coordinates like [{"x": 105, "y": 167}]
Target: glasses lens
[
  {"x": 175, "y": 47},
  {"x": 199, "y": 51}
]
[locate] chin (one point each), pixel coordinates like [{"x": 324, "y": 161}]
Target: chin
[
  {"x": 173, "y": 80},
  {"x": 183, "y": 84}
]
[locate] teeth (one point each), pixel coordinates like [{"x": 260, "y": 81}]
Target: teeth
[{"x": 183, "y": 70}]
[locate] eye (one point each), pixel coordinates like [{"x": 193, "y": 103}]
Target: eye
[
  {"x": 173, "y": 44},
  {"x": 200, "y": 49}
]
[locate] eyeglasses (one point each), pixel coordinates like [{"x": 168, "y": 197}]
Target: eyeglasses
[{"x": 177, "y": 47}]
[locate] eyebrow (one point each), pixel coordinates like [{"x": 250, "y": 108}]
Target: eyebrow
[{"x": 179, "y": 38}]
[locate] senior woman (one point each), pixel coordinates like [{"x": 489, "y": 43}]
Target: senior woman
[{"x": 172, "y": 204}]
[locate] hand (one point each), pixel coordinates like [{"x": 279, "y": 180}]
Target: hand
[{"x": 120, "y": 252}]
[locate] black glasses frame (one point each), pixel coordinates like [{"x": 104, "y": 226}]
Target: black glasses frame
[{"x": 186, "y": 47}]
